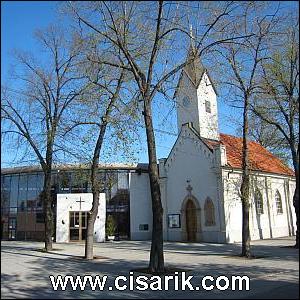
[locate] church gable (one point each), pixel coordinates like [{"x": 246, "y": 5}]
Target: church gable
[
  {"x": 189, "y": 145},
  {"x": 190, "y": 175}
]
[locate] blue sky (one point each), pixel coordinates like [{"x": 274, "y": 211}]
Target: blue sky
[{"x": 19, "y": 20}]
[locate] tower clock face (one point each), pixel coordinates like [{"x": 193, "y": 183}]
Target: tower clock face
[{"x": 186, "y": 102}]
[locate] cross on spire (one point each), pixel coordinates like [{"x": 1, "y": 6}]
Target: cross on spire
[
  {"x": 192, "y": 38},
  {"x": 195, "y": 68}
]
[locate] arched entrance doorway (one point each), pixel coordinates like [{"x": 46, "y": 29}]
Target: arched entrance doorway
[{"x": 191, "y": 221}]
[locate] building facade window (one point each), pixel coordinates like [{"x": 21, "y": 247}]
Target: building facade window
[
  {"x": 259, "y": 203},
  {"x": 64, "y": 182},
  {"x": 5, "y": 191},
  {"x": 209, "y": 211},
  {"x": 278, "y": 203},
  {"x": 22, "y": 195},
  {"x": 32, "y": 192},
  {"x": 40, "y": 217},
  {"x": 79, "y": 182}
]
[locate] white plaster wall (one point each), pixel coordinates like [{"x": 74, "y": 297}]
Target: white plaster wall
[
  {"x": 208, "y": 122},
  {"x": 123, "y": 180},
  {"x": 267, "y": 225},
  {"x": 191, "y": 160},
  {"x": 67, "y": 203},
  {"x": 260, "y": 225},
  {"x": 232, "y": 207},
  {"x": 140, "y": 206},
  {"x": 280, "y": 223}
]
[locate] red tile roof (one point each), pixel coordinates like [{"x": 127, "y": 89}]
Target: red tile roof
[{"x": 260, "y": 159}]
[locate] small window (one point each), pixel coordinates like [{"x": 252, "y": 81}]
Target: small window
[
  {"x": 278, "y": 203},
  {"x": 209, "y": 212},
  {"x": 259, "y": 203},
  {"x": 40, "y": 218},
  {"x": 144, "y": 227},
  {"x": 207, "y": 106}
]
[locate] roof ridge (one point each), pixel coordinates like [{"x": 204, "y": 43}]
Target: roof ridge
[{"x": 238, "y": 137}]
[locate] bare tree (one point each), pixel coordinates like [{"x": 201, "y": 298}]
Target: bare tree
[
  {"x": 243, "y": 61},
  {"x": 104, "y": 106},
  {"x": 278, "y": 103},
  {"x": 37, "y": 112},
  {"x": 145, "y": 40},
  {"x": 268, "y": 136}
]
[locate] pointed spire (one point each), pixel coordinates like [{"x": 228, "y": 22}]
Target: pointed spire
[{"x": 194, "y": 69}]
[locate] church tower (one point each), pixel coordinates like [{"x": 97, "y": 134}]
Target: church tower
[{"x": 196, "y": 99}]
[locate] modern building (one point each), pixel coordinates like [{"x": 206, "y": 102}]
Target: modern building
[
  {"x": 200, "y": 184},
  {"x": 22, "y": 215}
]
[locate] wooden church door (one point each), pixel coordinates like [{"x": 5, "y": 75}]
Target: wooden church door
[{"x": 191, "y": 221}]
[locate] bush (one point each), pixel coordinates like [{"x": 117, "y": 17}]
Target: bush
[{"x": 110, "y": 226}]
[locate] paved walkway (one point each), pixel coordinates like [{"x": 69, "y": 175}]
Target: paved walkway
[{"x": 274, "y": 274}]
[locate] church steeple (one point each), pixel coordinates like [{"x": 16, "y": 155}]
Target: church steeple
[
  {"x": 196, "y": 96},
  {"x": 194, "y": 69}
]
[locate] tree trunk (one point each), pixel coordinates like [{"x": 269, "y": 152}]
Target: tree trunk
[
  {"x": 245, "y": 187},
  {"x": 156, "y": 264},
  {"x": 245, "y": 226},
  {"x": 48, "y": 213},
  {"x": 295, "y": 156},
  {"x": 89, "y": 243},
  {"x": 296, "y": 206}
]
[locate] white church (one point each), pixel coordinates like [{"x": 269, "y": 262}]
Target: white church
[{"x": 200, "y": 179}]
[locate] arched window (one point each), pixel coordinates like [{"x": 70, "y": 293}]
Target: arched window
[
  {"x": 259, "y": 202},
  {"x": 209, "y": 212},
  {"x": 278, "y": 203}
]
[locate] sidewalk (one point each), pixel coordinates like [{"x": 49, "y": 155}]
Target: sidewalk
[{"x": 25, "y": 271}]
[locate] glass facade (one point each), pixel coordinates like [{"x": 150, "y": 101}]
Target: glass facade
[
  {"x": 19, "y": 206},
  {"x": 22, "y": 216}
]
